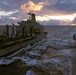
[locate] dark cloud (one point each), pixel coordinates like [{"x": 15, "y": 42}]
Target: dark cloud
[
  {"x": 6, "y": 20},
  {"x": 51, "y": 7},
  {"x": 11, "y": 5},
  {"x": 63, "y": 7},
  {"x": 55, "y": 7},
  {"x": 37, "y": 1},
  {"x": 19, "y": 14}
]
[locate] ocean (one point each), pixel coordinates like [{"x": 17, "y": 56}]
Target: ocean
[{"x": 53, "y": 55}]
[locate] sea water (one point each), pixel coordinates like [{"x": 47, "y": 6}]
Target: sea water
[{"x": 58, "y": 58}]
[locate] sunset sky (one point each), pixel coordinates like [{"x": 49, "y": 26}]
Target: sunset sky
[{"x": 48, "y": 12}]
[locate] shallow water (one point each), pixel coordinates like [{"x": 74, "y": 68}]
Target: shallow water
[{"x": 58, "y": 58}]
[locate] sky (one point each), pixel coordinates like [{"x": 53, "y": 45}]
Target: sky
[{"x": 48, "y": 12}]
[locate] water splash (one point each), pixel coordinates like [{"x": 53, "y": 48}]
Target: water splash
[{"x": 57, "y": 58}]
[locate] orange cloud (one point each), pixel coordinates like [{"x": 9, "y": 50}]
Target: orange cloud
[
  {"x": 73, "y": 24},
  {"x": 31, "y": 6}
]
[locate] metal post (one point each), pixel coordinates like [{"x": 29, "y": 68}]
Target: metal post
[
  {"x": 23, "y": 28},
  {"x": 7, "y": 31}
]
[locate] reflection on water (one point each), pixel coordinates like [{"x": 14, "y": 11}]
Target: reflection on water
[{"x": 57, "y": 60}]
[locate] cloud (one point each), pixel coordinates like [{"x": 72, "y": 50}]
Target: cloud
[
  {"x": 61, "y": 7},
  {"x": 54, "y": 22},
  {"x": 2, "y": 13},
  {"x": 11, "y": 5},
  {"x": 31, "y": 6},
  {"x": 74, "y": 21},
  {"x": 57, "y": 7},
  {"x": 6, "y": 20},
  {"x": 40, "y": 7},
  {"x": 53, "y": 7}
]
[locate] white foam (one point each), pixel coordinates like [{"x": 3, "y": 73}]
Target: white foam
[
  {"x": 6, "y": 61},
  {"x": 30, "y": 72},
  {"x": 60, "y": 39},
  {"x": 66, "y": 52}
]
